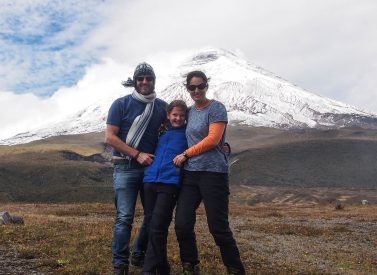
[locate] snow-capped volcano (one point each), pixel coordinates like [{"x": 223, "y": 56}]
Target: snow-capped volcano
[{"x": 252, "y": 96}]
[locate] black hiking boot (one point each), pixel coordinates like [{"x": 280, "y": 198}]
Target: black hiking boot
[
  {"x": 121, "y": 270},
  {"x": 234, "y": 271},
  {"x": 163, "y": 269},
  {"x": 190, "y": 269},
  {"x": 137, "y": 259}
]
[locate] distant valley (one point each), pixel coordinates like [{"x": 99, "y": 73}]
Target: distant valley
[{"x": 265, "y": 161}]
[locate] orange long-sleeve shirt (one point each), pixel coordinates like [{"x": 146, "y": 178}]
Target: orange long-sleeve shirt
[{"x": 215, "y": 132}]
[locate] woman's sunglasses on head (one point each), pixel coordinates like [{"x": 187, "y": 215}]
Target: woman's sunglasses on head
[{"x": 192, "y": 88}]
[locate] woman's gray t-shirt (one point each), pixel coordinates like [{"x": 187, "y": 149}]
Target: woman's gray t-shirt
[{"x": 197, "y": 129}]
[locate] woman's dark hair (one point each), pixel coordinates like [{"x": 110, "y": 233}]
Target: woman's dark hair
[
  {"x": 200, "y": 74},
  {"x": 176, "y": 103}
]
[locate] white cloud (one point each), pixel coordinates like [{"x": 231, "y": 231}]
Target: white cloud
[
  {"x": 24, "y": 112},
  {"x": 20, "y": 113},
  {"x": 100, "y": 84},
  {"x": 323, "y": 46},
  {"x": 326, "y": 47},
  {"x": 41, "y": 43}
]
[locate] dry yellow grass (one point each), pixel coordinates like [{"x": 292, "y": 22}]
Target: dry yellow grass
[
  {"x": 273, "y": 239},
  {"x": 84, "y": 144}
]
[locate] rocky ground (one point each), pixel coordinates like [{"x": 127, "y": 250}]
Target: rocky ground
[{"x": 11, "y": 263}]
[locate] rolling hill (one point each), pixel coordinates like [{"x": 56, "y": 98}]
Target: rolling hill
[{"x": 76, "y": 167}]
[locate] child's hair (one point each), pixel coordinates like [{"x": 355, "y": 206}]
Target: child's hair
[{"x": 177, "y": 103}]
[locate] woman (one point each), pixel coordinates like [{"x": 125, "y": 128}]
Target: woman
[{"x": 205, "y": 178}]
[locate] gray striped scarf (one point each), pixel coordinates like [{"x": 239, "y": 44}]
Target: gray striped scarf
[{"x": 141, "y": 122}]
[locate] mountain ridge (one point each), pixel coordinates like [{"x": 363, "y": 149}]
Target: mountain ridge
[{"x": 252, "y": 95}]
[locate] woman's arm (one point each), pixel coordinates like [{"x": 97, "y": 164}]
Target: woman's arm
[{"x": 215, "y": 133}]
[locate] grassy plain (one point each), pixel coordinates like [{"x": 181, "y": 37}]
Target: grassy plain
[{"x": 273, "y": 238}]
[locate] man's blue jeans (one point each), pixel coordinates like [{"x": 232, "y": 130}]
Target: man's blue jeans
[{"x": 128, "y": 182}]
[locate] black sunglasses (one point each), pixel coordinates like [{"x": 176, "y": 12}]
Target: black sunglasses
[
  {"x": 193, "y": 87},
  {"x": 141, "y": 78}
]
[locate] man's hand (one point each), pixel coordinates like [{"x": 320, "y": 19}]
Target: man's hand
[{"x": 145, "y": 159}]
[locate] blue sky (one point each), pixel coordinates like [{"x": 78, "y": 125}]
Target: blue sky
[
  {"x": 41, "y": 44},
  {"x": 326, "y": 47}
]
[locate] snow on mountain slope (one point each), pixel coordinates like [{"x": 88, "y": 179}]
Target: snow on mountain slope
[{"x": 252, "y": 96}]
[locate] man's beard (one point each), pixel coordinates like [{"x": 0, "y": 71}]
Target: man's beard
[{"x": 149, "y": 91}]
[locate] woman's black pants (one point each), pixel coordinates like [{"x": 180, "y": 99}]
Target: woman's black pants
[{"x": 213, "y": 189}]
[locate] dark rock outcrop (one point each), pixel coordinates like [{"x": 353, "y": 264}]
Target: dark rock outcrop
[
  {"x": 6, "y": 218},
  {"x": 93, "y": 158}
]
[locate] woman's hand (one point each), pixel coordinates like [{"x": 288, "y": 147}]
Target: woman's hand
[{"x": 179, "y": 160}]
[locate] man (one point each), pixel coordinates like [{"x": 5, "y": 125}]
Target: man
[{"x": 132, "y": 130}]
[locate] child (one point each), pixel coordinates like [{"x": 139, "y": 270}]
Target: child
[{"x": 161, "y": 181}]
